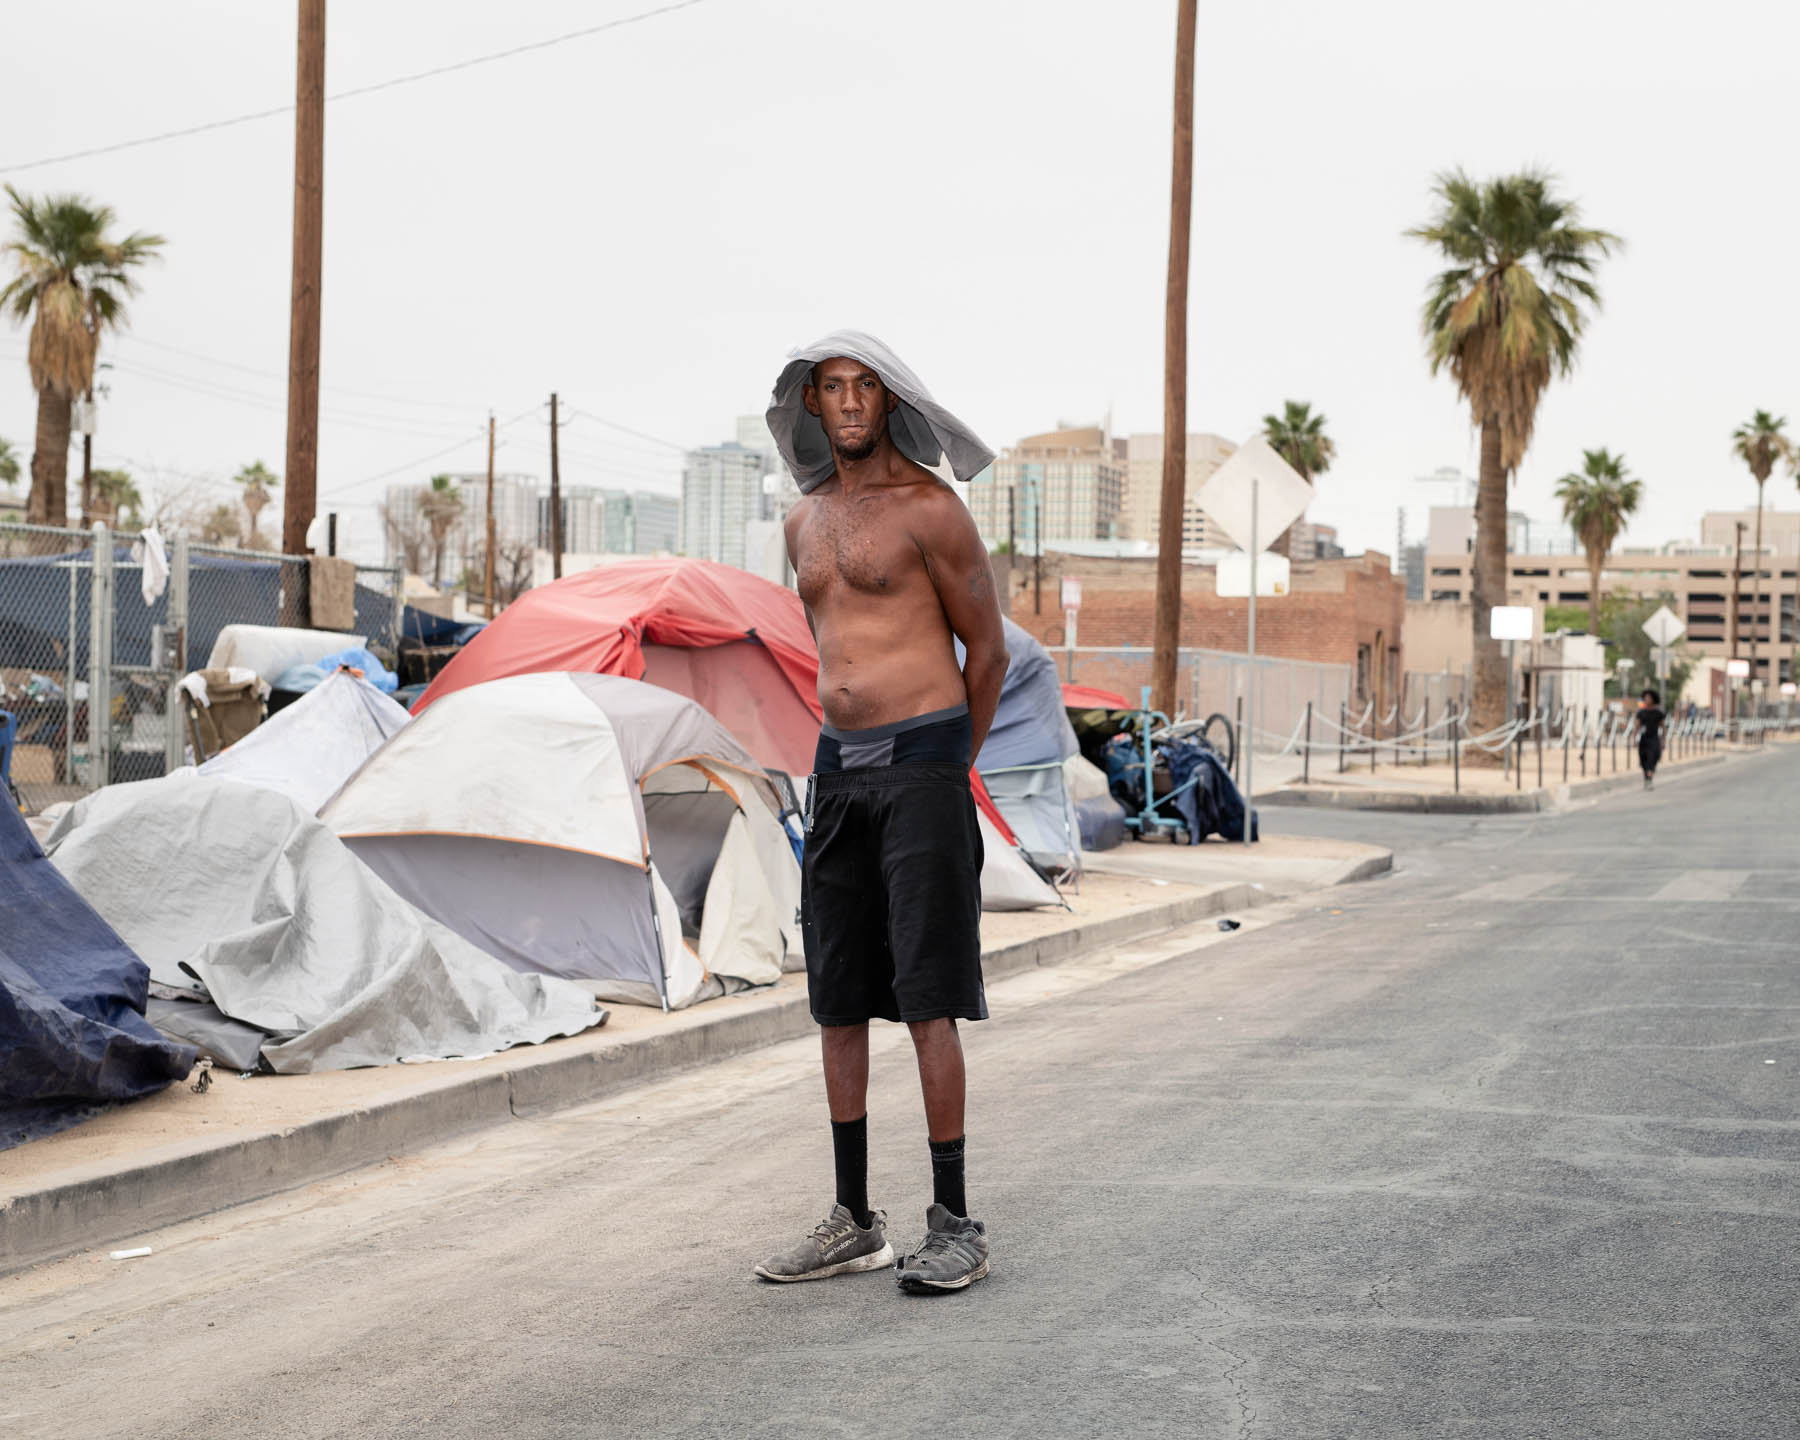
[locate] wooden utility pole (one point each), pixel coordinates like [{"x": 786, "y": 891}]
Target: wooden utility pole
[
  {"x": 487, "y": 588},
  {"x": 302, "y": 477},
  {"x": 556, "y": 535},
  {"x": 1167, "y": 627}
]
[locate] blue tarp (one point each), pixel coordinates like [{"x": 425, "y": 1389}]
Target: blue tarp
[
  {"x": 73, "y": 1037},
  {"x": 222, "y": 590},
  {"x": 428, "y": 629},
  {"x": 1212, "y": 804}
]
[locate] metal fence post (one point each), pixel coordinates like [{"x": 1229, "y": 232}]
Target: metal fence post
[
  {"x": 175, "y": 732},
  {"x": 1343, "y": 733},
  {"x": 1238, "y": 756},
  {"x": 1456, "y": 742},
  {"x": 1306, "y": 753},
  {"x": 100, "y": 625}
]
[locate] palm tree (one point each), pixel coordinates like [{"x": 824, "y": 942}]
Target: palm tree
[
  {"x": 258, "y": 480},
  {"x": 9, "y": 463},
  {"x": 1298, "y": 436},
  {"x": 1504, "y": 317},
  {"x": 220, "y": 525},
  {"x": 1759, "y": 443},
  {"x": 72, "y": 284},
  {"x": 1596, "y": 501},
  {"x": 442, "y": 504},
  {"x": 116, "y": 499}
]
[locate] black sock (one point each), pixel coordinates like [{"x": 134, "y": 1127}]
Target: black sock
[
  {"x": 947, "y": 1176},
  {"x": 850, "y": 1149}
]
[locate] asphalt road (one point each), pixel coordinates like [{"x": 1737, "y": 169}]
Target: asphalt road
[{"x": 1502, "y": 1146}]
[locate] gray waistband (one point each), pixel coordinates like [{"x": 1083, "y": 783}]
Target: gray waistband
[{"x": 895, "y": 727}]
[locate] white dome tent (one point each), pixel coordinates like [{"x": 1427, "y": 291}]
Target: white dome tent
[{"x": 587, "y": 826}]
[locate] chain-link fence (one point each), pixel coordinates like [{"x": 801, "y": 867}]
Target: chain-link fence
[
  {"x": 89, "y": 662},
  {"x": 1217, "y": 682}
]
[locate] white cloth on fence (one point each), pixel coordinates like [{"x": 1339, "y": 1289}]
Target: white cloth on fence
[{"x": 153, "y": 555}]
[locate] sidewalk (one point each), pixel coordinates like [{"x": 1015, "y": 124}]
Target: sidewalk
[
  {"x": 1483, "y": 791},
  {"x": 178, "y": 1155}
]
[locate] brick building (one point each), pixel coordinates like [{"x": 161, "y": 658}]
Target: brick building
[{"x": 1346, "y": 612}]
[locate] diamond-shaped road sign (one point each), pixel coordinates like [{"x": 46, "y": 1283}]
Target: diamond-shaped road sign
[
  {"x": 1664, "y": 628},
  {"x": 1281, "y": 495}
]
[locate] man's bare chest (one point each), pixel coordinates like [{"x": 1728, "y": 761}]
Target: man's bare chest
[{"x": 865, "y": 548}]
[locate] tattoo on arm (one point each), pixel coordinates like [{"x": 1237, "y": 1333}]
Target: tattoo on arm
[{"x": 978, "y": 583}]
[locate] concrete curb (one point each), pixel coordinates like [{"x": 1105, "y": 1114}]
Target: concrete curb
[
  {"x": 1549, "y": 797},
  {"x": 39, "y": 1225}
]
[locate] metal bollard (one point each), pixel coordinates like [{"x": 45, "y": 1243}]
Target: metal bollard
[
  {"x": 1239, "y": 757},
  {"x": 1306, "y": 754},
  {"x": 1456, "y": 743},
  {"x": 1343, "y": 733}
]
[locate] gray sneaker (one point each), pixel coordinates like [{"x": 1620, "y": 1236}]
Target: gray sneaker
[
  {"x": 953, "y": 1256},
  {"x": 837, "y": 1246}
]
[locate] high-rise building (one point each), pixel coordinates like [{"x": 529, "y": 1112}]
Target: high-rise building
[
  {"x": 655, "y": 522},
  {"x": 1308, "y": 542},
  {"x": 1061, "y": 486},
  {"x": 721, "y": 493},
  {"x": 1143, "y": 489},
  {"x": 598, "y": 521}
]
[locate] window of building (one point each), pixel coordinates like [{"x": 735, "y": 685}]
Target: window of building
[
  {"x": 1446, "y": 595},
  {"x": 1453, "y": 572}
]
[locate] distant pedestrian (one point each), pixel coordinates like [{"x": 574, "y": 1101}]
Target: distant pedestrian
[
  {"x": 1650, "y": 723},
  {"x": 893, "y": 574}
]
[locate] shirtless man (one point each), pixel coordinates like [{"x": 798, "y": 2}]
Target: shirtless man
[{"x": 891, "y": 569}]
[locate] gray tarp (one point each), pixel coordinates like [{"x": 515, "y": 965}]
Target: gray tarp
[
  {"x": 1021, "y": 760},
  {"x": 922, "y": 430},
  {"x": 237, "y": 892}
]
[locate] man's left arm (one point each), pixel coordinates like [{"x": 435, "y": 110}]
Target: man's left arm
[{"x": 964, "y": 578}]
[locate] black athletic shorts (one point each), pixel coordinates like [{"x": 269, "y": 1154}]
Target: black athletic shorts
[{"x": 890, "y": 885}]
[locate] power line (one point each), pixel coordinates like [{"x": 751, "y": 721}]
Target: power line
[
  {"x": 480, "y": 434},
  {"x": 614, "y": 424},
  {"x": 398, "y": 80},
  {"x": 464, "y": 408},
  {"x": 233, "y": 395}
]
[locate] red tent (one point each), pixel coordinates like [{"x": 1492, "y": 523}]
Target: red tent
[
  {"x": 732, "y": 641},
  {"x": 737, "y": 644},
  {"x": 1085, "y": 697}
]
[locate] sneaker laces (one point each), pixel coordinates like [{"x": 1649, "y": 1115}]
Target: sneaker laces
[
  {"x": 829, "y": 1229},
  {"x": 939, "y": 1242}
]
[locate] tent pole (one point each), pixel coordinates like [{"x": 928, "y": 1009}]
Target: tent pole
[{"x": 662, "y": 959}]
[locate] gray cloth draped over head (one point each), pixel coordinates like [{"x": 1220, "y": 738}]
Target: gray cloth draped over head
[{"x": 923, "y": 430}]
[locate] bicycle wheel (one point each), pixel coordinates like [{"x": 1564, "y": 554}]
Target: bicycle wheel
[{"x": 1218, "y": 737}]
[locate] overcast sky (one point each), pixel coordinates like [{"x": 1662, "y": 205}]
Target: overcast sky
[{"x": 646, "y": 220}]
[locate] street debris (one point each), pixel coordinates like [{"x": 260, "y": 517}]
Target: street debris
[
  {"x": 202, "y": 1077},
  {"x": 1230, "y": 925},
  {"x": 136, "y": 1254}
]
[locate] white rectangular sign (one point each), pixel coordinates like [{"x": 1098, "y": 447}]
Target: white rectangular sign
[
  {"x": 1737, "y": 669},
  {"x": 1510, "y": 622},
  {"x": 1272, "y": 574},
  {"x": 1071, "y": 592}
]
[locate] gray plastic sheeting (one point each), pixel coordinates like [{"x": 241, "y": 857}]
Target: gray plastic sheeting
[{"x": 237, "y": 894}]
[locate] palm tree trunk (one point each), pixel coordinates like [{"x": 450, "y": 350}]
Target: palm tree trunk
[
  {"x": 1488, "y": 709},
  {"x": 48, "y": 503},
  {"x": 1596, "y": 567},
  {"x": 1756, "y": 589}
]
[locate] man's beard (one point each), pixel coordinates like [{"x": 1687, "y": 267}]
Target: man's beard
[{"x": 859, "y": 450}]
